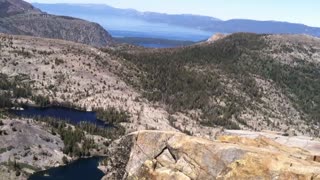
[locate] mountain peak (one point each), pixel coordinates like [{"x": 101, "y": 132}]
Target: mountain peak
[
  {"x": 13, "y": 7},
  {"x": 216, "y": 37}
]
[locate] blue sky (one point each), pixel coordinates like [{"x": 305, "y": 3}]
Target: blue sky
[{"x": 298, "y": 11}]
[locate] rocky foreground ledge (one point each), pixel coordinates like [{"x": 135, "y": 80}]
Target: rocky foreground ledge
[{"x": 173, "y": 155}]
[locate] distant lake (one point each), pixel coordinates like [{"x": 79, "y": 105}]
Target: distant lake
[
  {"x": 82, "y": 169},
  {"x": 128, "y": 27},
  {"x": 160, "y": 31},
  {"x": 71, "y": 115},
  {"x": 125, "y": 27}
]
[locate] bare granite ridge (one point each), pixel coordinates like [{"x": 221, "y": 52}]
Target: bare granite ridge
[{"x": 171, "y": 155}]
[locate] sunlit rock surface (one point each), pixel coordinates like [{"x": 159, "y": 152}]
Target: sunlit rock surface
[{"x": 172, "y": 155}]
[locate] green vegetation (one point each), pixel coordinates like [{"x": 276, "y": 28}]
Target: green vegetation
[
  {"x": 13, "y": 87},
  {"x": 41, "y": 100},
  {"x": 5, "y": 84},
  {"x": 72, "y": 138},
  {"x": 112, "y": 115},
  {"x": 5, "y": 100},
  {"x": 22, "y": 53},
  {"x": 58, "y": 61},
  {"x": 17, "y": 167},
  {"x": 75, "y": 141},
  {"x": 302, "y": 83},
  {"x": 111, "y": 133},
  {"x": 65, "y": 160},
  {"x": 3, "y": 150},
  {"x": 18, "y": 87},
  {"x": 22, "y": 92},
  {"x": 193, "y": 77}
]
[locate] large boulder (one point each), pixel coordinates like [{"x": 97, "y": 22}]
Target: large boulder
[{"x": 173, "y": 155}]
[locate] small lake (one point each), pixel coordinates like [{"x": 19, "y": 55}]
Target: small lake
[
  {"x": 82, "y": 169},
  {"x": 71, "y": 115}
]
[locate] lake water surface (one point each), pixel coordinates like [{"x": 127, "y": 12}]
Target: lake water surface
[
  {"x": 71, "y": 115},
  {"x": 82, "y": 169},
  {"x": 125, "y": 25}
]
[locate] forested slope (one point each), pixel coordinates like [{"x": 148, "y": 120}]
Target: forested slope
[{"x": 242, "y": 81}]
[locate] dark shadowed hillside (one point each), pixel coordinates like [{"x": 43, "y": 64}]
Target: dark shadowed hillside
[{"x": 21, "y": 18}]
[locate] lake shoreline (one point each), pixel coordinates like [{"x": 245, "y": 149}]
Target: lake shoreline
[
  {"x": 40, "y": 117},
  {"x": 39, "y": 146},
  {"x": 35, "y": 111}
]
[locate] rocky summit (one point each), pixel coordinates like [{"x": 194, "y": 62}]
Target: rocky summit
[
  {"x": 21, "y": 18},
  {"x": 171, "y": 155}
]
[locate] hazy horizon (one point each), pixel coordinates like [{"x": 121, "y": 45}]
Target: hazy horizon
[{"x": 272, "y": 10}]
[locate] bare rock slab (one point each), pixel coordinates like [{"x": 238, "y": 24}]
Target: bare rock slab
[{"x": 172, "y": 155}]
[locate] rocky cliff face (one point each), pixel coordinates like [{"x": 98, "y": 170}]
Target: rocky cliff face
[
  {"x": 171, "y": 155},
  {"x": 21, "y": 18}
]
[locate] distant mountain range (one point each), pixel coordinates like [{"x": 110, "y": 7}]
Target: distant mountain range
[
  {"x": 186, "y": 20},
  {"x": 203, "y": 23},
  {"x": 21, "y": 18}
]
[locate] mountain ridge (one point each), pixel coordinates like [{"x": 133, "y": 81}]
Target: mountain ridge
[
  {"x": 21, "y": 18},
  {"x": 205, "y": 23},
  {"x": 12, "y": 7},
  {"x": 251, "y": 82},
  {"x": 242, "y": 81},
  {"x": 120, "y": 10}
]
